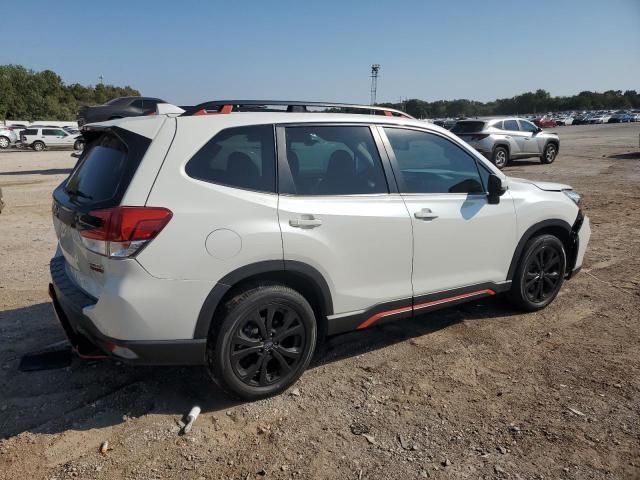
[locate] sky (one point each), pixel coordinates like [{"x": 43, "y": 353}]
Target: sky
[{"x": 187, "y": 52}]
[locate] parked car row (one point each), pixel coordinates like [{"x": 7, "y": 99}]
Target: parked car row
[
  {"x": 40, "y": 136},
  {"x": 584, "y": 117}
]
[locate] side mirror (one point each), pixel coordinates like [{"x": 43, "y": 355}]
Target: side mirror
[
  {"x": 495, "y": 189},
  {"x": 538, "y": 130}
]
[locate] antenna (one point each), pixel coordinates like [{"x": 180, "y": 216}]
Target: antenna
[{"x": 375, "y": 68}]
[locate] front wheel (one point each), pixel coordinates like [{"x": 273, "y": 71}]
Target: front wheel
[
  {"x": 4, "y": 142},
  {"x": 500, "y": 157},
  {"x": 549, "y": 154},
  {"x": 38, "y": 146},
  {"x": 539, "y": 275},
  {"x": 263, "y": 343}
]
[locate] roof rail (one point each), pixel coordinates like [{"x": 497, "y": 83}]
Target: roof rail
[{"x": 227, "y": 106}]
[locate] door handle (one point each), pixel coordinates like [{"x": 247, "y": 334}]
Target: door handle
[
  {"x": 305, "y": 221},
  {"x": 425, "y": 214}
]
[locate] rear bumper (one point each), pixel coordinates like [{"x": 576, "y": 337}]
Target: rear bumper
[{"x": 69, "y": 303}]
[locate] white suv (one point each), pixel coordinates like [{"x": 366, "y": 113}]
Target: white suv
[
  {"x": 236, "y": 236},
  {"x": 40, "y": 138}
]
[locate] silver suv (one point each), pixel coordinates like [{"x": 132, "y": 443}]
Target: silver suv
[{"x": 504, "y": 139}]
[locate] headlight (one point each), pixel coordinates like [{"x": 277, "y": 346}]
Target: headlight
[{"x": 573, "y": 195}]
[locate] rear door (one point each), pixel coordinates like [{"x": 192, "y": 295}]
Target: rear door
[
  {"x": 53, "y": 137},
  {"x": 338, "y": 214},
  {"x": 514, "y": 136}
]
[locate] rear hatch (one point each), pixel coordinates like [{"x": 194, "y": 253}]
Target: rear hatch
[
  {"x": 469, "y": 130},
  {"x": 97, "y": 183}
]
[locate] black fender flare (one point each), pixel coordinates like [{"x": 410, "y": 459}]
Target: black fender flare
[
  {"x": 205, "y": 317},
  {"x": 528, "y": 234},
  {"x": 501, "y": 144}
]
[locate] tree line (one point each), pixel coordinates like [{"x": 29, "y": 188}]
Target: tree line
[
  {"x": 29, "y": 95},
  {"x": 539, "y": 101}
]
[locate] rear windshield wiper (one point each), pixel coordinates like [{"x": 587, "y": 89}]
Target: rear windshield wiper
[{"x": 78, "y": 193}]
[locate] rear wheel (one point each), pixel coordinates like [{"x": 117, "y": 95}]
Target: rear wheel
[
  {"x": 4, "y": 142},
  {"x": 540, "y": 273},
  {"x": 78, "y": 145},
  {"x": 500, "y": 157},
  {"x": 550, "y": 153},
  {"x": 263, "y": 343},
  {"x": 38, "y": 146}
]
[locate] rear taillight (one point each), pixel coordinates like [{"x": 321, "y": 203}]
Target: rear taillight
[{"x": 121, "y": 232}]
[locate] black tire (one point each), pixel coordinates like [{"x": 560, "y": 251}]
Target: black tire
[
  {"x": 4, "y": 142},
  {"x": 78, "y": 145},
  {"x": 243, "y": 327},
  {"x": 38, "y": 146},
  {"x": 550, "y": 153},
  {"x": 500, "y": 157},
  {"x": 539, "y": 275}
]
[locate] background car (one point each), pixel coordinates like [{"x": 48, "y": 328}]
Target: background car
[
  {"x": 41, "y": 138},
  {"x": 504, "y": 139},
  {"x": 118, "y": 108},
  {"x": 545, "y": 122},
  {"x": 7, "y": 137}
]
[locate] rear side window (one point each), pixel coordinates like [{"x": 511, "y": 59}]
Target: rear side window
[
  {"x": 52, "y": 132},
  {"x": 334, "y": 160},
  {"x": 429, "y": 163},
  {"x": 241, "y": 157},
  {"x": 468, "y": 127},
  {"x": 98, "y": 175},
  {"x": 498, "y": 125},
  {"x": 511, "y": 125},
  {"x": 30, "y": 131}
]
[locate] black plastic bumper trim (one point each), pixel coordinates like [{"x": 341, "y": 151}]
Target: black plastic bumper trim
[{"x": 69, "y": 301}]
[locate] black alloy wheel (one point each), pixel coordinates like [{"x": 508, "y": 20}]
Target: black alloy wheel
[
  {"x": 262, "y": 342},
  {"x": 543, "y": 274},
  {"x": 540, "y": 273},
  {"x": 267, "y": 345}
]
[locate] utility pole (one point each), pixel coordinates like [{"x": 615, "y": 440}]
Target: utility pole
[
  {"x": 101, "y": 78},
  {"x": 375, "y": 68}
]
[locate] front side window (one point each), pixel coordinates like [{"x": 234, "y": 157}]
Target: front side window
[
  {"x": 334, "y": 160},
  {"x": 242, "y": 157},
  {"x": 527, "y": 126},
  {"x": 429, "y": 163}
]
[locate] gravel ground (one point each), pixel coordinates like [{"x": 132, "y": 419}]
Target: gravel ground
[{"x": 478, "y": 391}]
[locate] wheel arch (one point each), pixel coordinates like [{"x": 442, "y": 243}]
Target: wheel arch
[
  {"x": 304, "y": 278},
  {"x": 556, "y": 227}
]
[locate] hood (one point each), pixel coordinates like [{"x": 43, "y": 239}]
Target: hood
[{"x": 546, "y": 186}]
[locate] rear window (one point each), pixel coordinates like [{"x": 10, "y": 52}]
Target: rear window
[
  {"x": 241, "y": 157},
  {"x": 468, "y": 127},
  {"x": 101, "y": 171}
]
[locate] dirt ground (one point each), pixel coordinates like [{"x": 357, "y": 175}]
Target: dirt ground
[{"x": 478, "y": 391}]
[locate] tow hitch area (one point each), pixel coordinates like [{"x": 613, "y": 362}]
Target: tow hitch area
[{"x": 51, "y": 358}]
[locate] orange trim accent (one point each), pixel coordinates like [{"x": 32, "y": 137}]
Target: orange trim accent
[
  {"x": 374, "y": 318},
  {"x": 388, "y": 114},
  {"x": 202, "y": 111},
  {"x": 226, "y": 109},
  {"x": 378, "y": 316}
]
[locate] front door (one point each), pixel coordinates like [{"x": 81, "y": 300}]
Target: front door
[
  {"x": 337, "y": 215},
  {"x": 460, "y": 240},
  {"x": 530, "y": 130}
]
